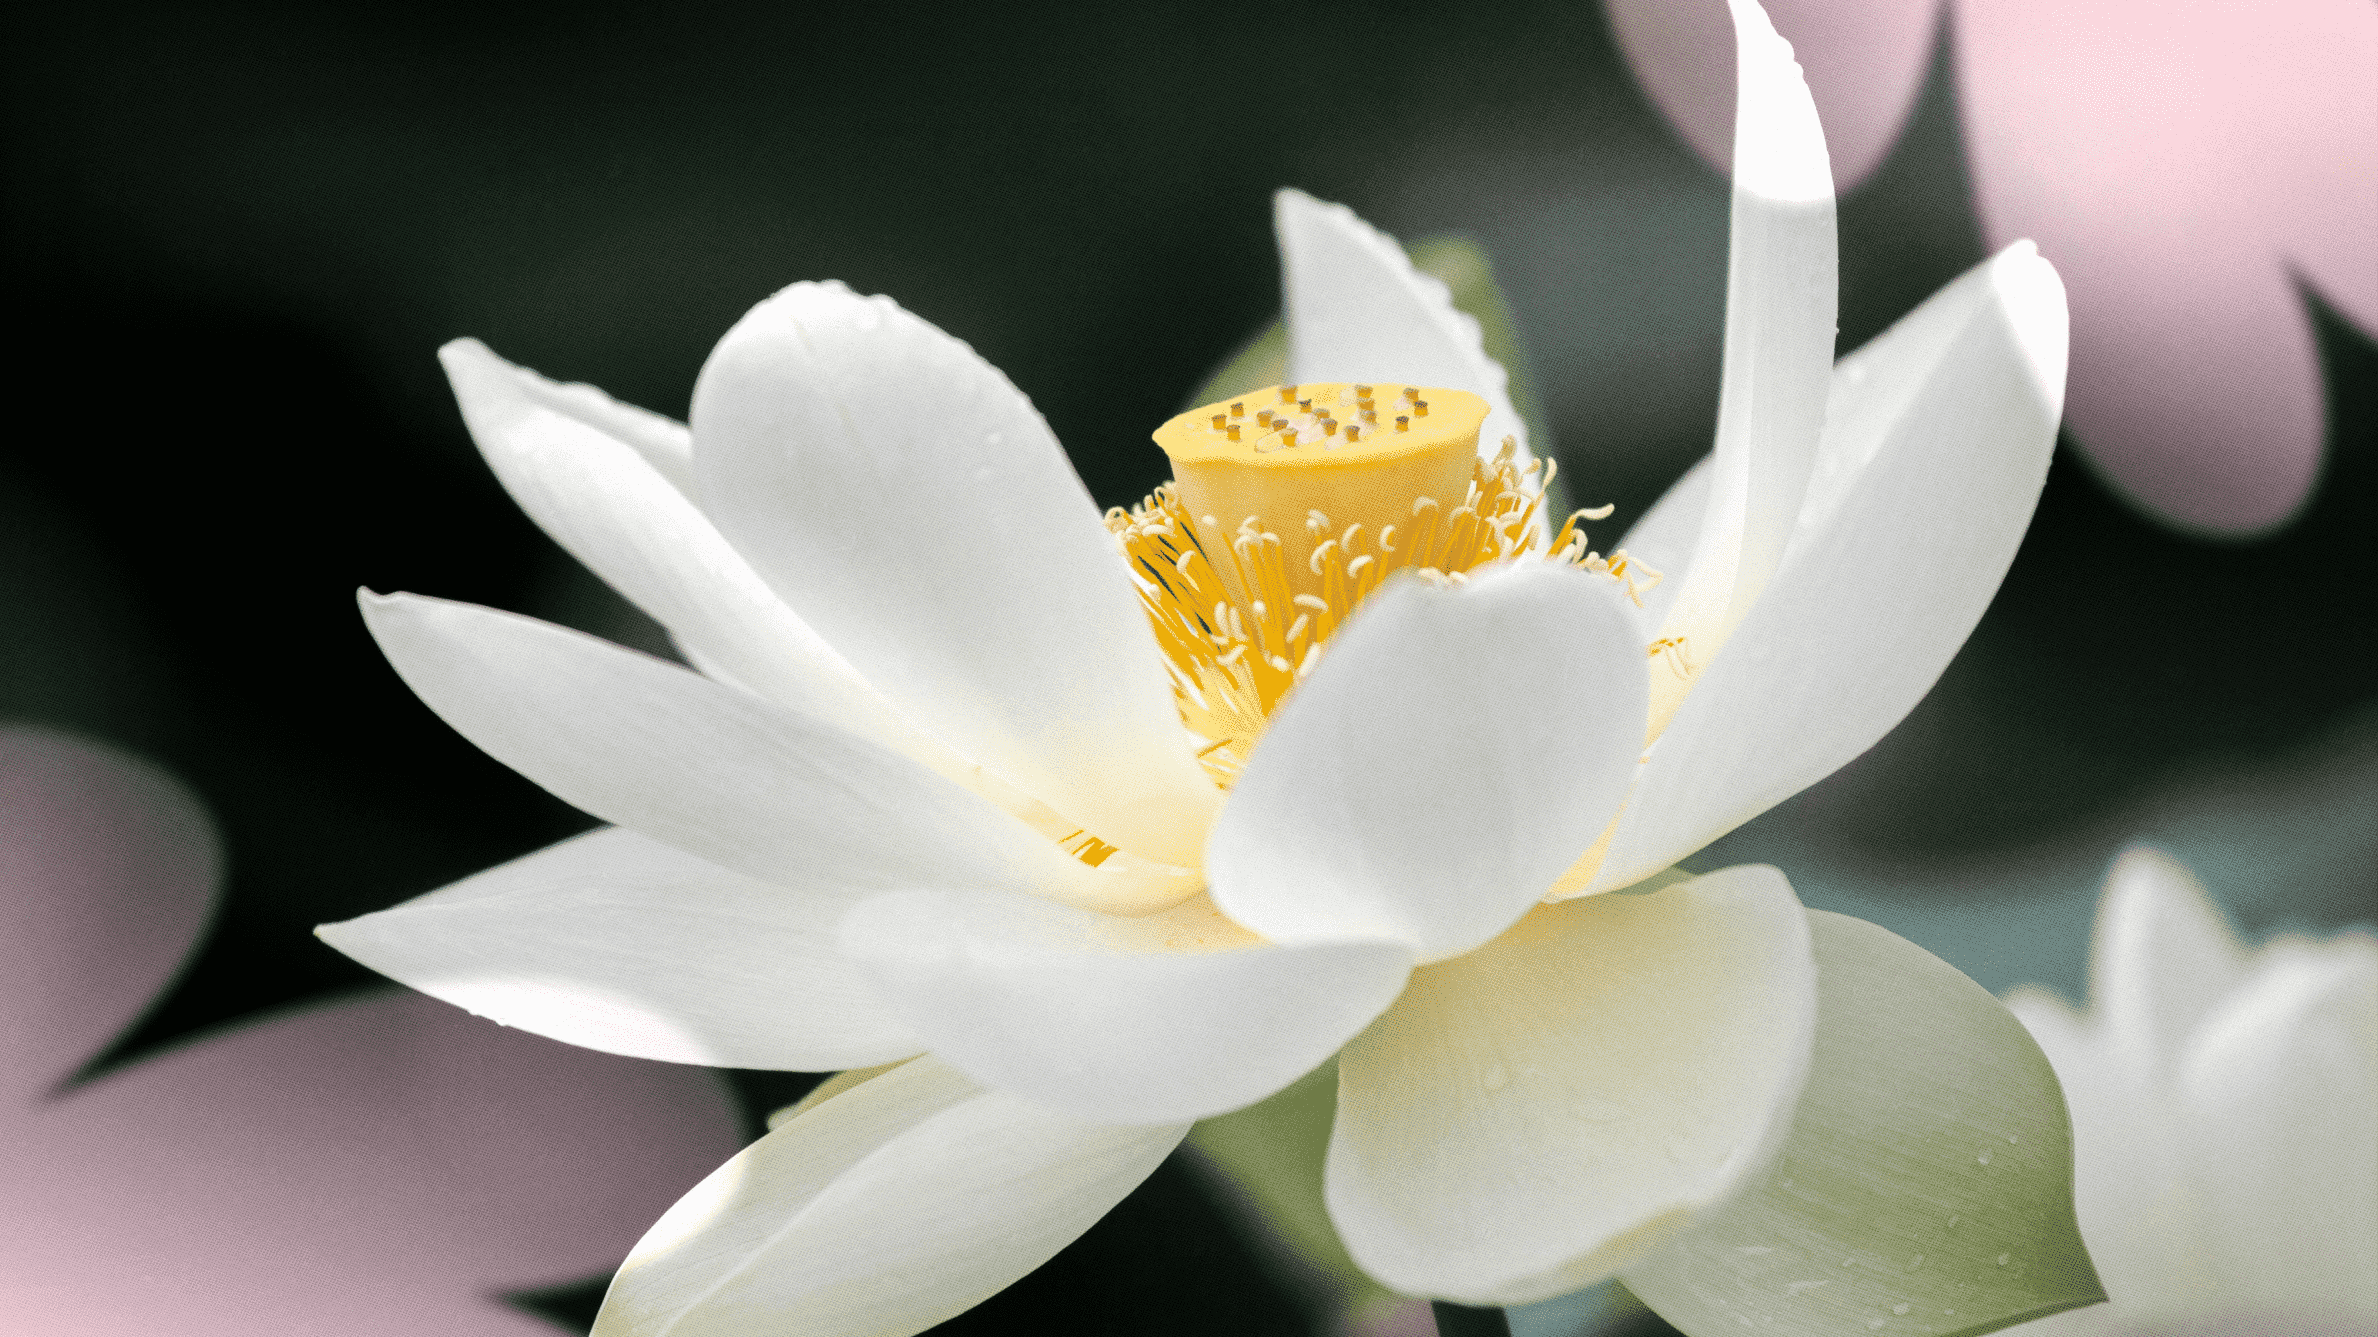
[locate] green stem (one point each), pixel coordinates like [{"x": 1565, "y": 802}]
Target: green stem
[{"x": 1465, "y": 1321}]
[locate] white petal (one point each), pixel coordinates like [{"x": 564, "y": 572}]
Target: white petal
[
  {"x": 1358, "y": 311},
  {"x": 1543, "y": 1111},
  {"x": 713, "y": 771},
  {"x": 2282, "y": 1091},
  {"x": 2144, "y": 1228},
  {"x": 558, "y": 452},
  {"x": 1663, "y": 539},
  {"x": 1781, "y": 292},
  {"x": 2161, "y": 959},
  {"x": 494, "y": 394},
  {"x": 908, "y": 502},
  {"x": 1454, "y": 752},
  {"x": 1955, "y": 426},
  {"x": 897, "y": 1204},
  {"x": 615, "y": 942},
  {"x": 1123, "y": 1020}
]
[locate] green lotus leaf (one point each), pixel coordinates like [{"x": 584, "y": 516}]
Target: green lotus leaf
[{"x": 1925, "y": 1185}]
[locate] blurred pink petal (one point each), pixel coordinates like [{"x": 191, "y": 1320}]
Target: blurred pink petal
[
  {"x": 1864, "y": 59},
  {"x": 388, "y": 1165},
  {"x": 2185, "y": 165},
  {"x": 107, "y": 874}
]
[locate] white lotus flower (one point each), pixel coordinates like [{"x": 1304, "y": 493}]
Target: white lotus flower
[
  {"x": 931, "y": 791},
  {"x": 2225, "y": 1118}
]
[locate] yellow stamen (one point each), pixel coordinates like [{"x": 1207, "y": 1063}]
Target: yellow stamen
[{"x": 1244, "y": 610}]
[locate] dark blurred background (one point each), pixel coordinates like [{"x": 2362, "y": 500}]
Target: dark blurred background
[{"x": 239, "y": 232}]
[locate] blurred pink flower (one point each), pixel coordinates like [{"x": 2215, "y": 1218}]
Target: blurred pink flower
[
  {"x": 2191, "y": 166},
  {"x": 382, "y": 1165}
]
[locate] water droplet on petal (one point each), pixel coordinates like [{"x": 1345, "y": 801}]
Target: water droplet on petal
[{"x": 1984, "y": 1158}]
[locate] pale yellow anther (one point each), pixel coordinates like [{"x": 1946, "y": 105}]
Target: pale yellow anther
[{"x": 1238, "y": 410}]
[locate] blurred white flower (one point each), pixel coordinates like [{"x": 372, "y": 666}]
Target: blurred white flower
[
  {"x": 930, "y": 790},
  {"x": 2225, "y": 1118}
]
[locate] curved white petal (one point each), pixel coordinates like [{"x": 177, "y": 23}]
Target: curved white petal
[
  {"x": 1356, "y": 310},
  {"x": 1456, "y": 750},
  {"x": 2161, "y": 960},
  {"x": 616, "y": 942},
  {"x": 897, "y": 1204},
  {"x": 2281, "y": 1089},
  {"x": 1781, "y": 293},
  {"x": 1123, "y": 1020},
  {"x": 911, "y": 505},
  {"x": 1543, "y": 1111},
  {"x": 501, "y": 404},
  {"x": 1663, "y": 539},
  {"x": 1940, "y": 436},
  {"x": 559, "y": 451},
  {"x": 713, "y": 771}
]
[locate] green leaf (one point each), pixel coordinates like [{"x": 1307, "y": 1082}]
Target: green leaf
[
  {"x": 1271, "y": 1153},
  {"x": 1925, "y": 1185}
]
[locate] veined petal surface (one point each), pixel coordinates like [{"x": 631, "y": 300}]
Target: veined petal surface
[
  {"x": 614, "y": 941},
  {"x": 1925, "y": 1185},
  {"x": 1357, "y": 310},
  {"x": 910, "y": 504},
  {"x": 711, "y": 770},
  {"x": 1141, "y": 1020},
  {"x": 1781, "y": 294},
  {"x": 558, "y": 450},
  {"x": 1937, "y": 444},
  {"x": 1543, "y": 1111},
  {"x": 1454, "y": 752},
  {"x": 910, "y": 1198}
]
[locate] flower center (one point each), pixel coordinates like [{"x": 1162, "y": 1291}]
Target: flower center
[{"x": 1289, "y": 506}]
